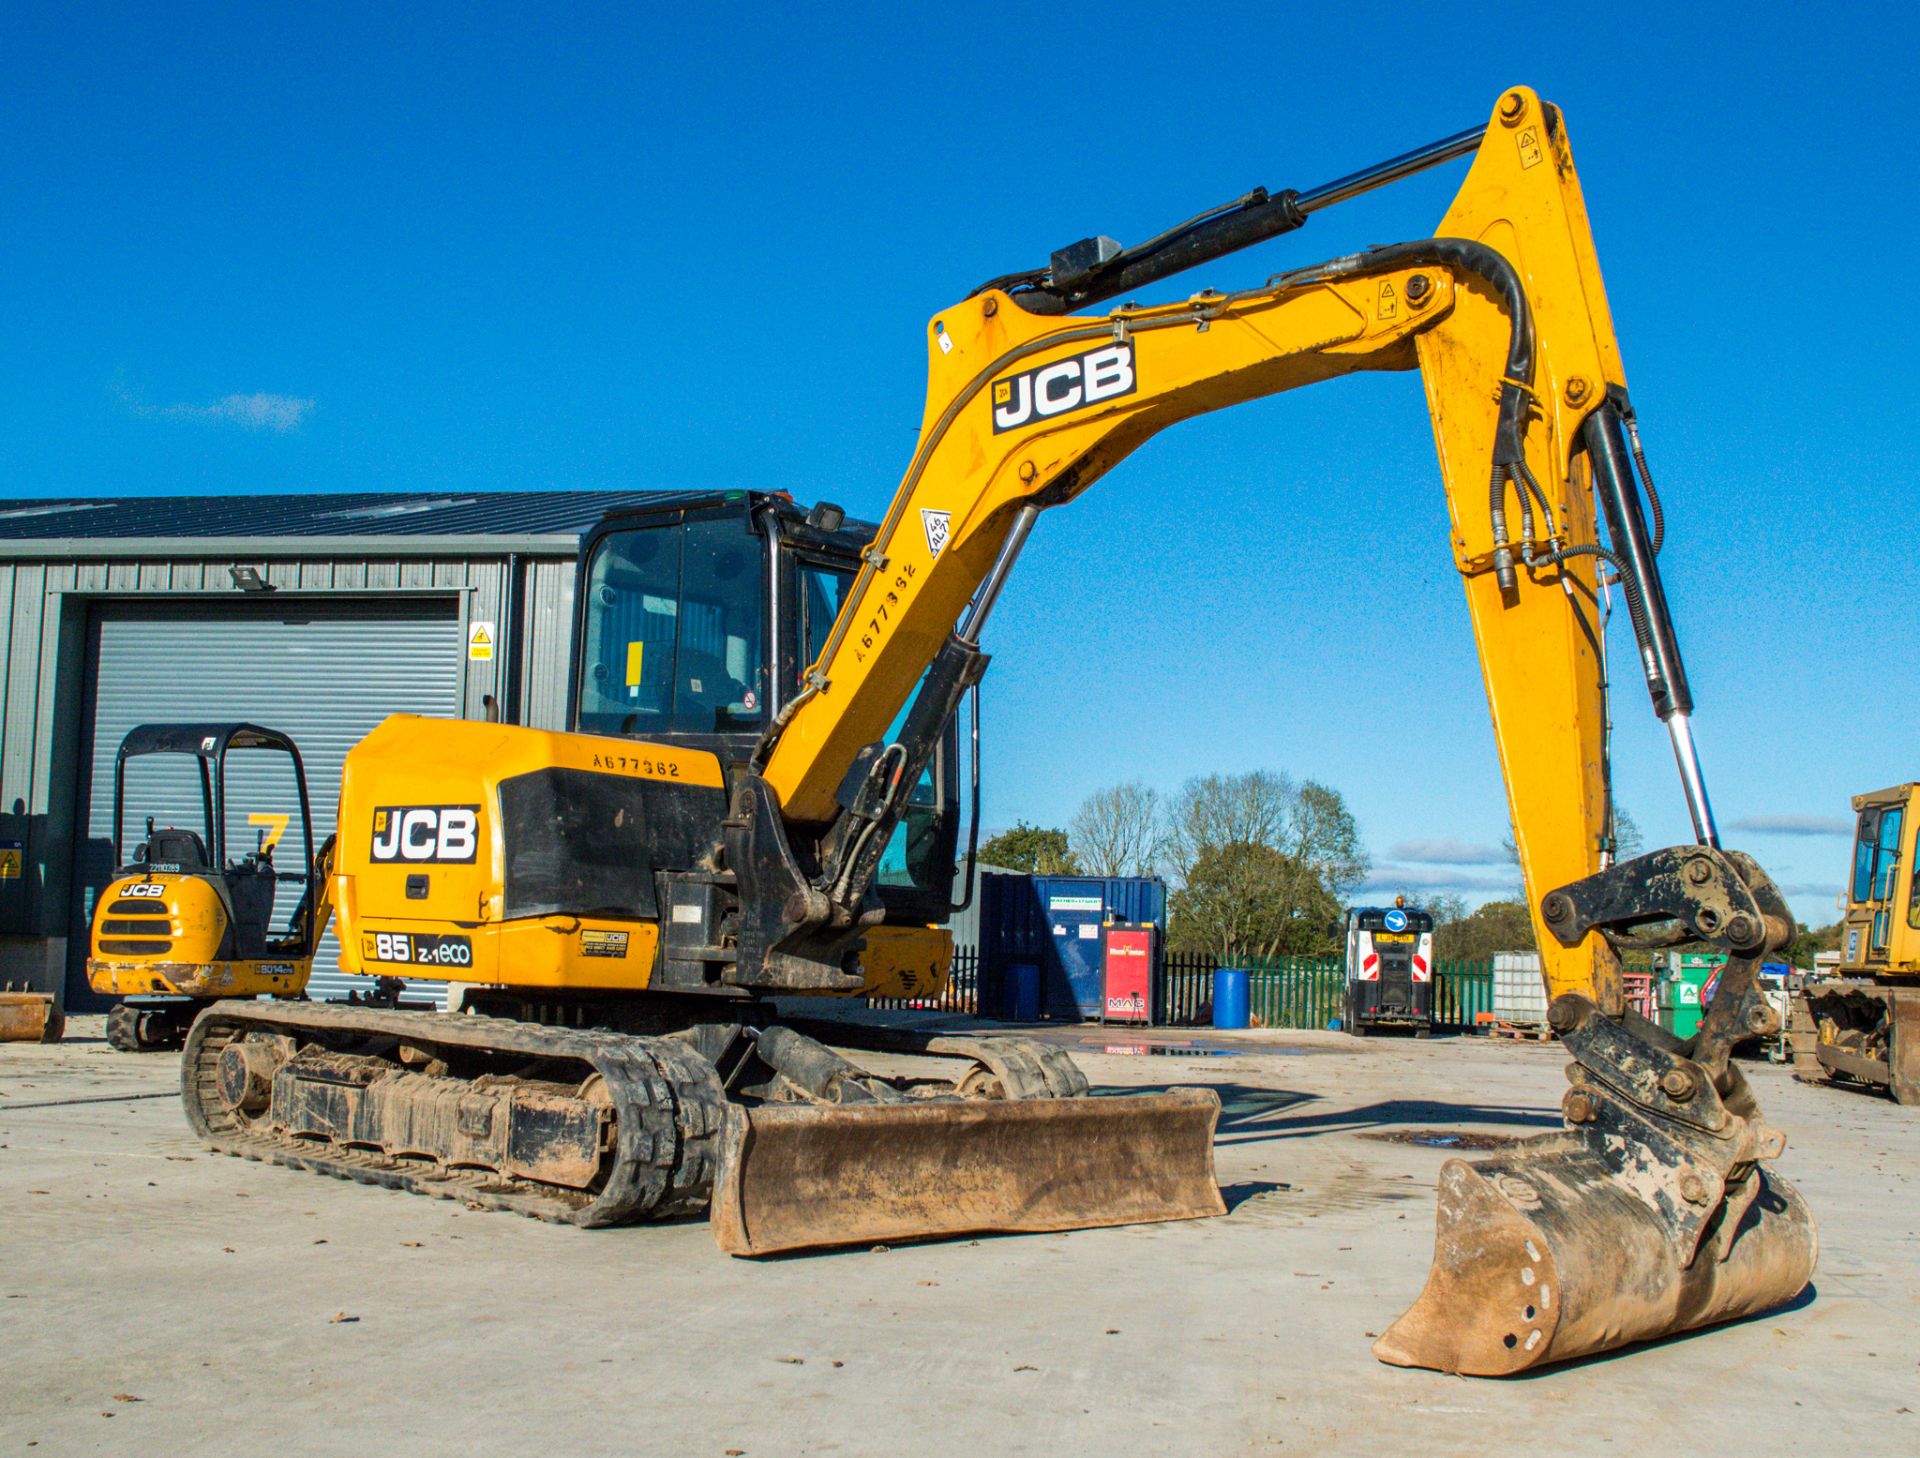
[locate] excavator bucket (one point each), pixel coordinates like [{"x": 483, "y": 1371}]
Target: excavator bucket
[
  {"x": 1651, "y": 1213},
  {"x": 1564, "y": 1246},
  {"x": 798, "y": 1176},
  {"x": 30, "y": 1017}
]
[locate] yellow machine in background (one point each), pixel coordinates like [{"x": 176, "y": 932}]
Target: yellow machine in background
[
  {"x": 184, "y": 923},
  {"x": 1862, "y": 1025},
  {"x": 760, "y": 799}
]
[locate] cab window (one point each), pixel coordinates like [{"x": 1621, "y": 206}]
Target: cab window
[
  {"x": 1864, "y": 845},
  {"x": 1886, "y": 858},
  {"x": 823, "y": 590},
  {"x": 672, "y": 632}
]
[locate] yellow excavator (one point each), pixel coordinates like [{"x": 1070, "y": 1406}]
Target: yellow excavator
[
  {"x": 187, "y": 919},
  {"x": 759, "y": 798},
  {"x": 1862, "y": 1024}
]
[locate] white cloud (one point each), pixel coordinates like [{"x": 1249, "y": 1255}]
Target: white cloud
[
  {"x": 1794, "y": 825},
  {"x": 257, "y": 411},
  {"x": 1449, "y": 853},
  {"x": 1429, "y": 878}
]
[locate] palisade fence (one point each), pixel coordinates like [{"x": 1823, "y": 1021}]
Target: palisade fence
[
  {"x": 1286, "y": 992},
  {"x": 1308, "y": 992}
]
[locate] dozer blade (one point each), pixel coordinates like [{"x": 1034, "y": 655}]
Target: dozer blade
[
  {"x": 794, "y": 1177},
  {"x": 1560, "y": 1248},
  {"x": 30, "y": 1017}
]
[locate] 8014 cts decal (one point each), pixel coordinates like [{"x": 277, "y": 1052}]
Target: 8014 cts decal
[{"x": 1066, "y": 384}]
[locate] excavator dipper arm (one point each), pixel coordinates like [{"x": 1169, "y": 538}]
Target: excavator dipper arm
[{"x": 1648, "y": 1214}]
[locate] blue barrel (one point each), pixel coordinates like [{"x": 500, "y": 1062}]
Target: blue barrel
[
  {"x": 1232, "y": 997},
  {"x": 1023, "y": 992}
]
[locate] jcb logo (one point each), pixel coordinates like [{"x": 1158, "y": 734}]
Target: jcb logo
[
  {"x": 1066, "y": 384},
  {"x": 447, "y": 834}
]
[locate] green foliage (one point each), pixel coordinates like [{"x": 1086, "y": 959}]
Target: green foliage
[
  {"x": 1499, "y": 926},
  {"x": 1262, "y": 863},
  {"x": 1823, "y": 939},
  {"x": 1244, "y": 900},
  {"x": 1031, "y": 848}
]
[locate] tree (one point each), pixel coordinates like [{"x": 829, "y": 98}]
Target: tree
[
  {"x": 1308, "y": 822},
  {"x": 1214, "y": 811},
  {"x": 1116, "y": 831},
  {"x": 1262, "y": 862},
  {"x": 1031, "y": 848},
  {"x": 1808, "y": 942},
  {"x": 1322, "y": 840},
  {"x": 1499, "y": 926},
  {"x": 1444, "y": 909},
  {"x": 1627, "y": 840},
  {"x": 1252, "y": 900}
]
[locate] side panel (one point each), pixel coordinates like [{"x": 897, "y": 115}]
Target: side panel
[{"x": 488, "y": 853}]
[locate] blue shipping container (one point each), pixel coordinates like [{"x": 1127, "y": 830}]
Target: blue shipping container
[{"x": 1054, "y": 922}]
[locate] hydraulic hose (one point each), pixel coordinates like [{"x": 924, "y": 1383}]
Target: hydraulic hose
[{"x": 1516, "y": 382}]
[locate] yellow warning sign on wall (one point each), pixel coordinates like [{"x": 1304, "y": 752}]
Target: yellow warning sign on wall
[
  {"x": 10, "y": 859},
  {"x": 480, "y": 642}
]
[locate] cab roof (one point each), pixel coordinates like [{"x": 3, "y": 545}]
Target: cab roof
[{"x": 207, "y": 740}]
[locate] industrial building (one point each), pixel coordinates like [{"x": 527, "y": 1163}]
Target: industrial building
[{"x": 317, "y": 615}]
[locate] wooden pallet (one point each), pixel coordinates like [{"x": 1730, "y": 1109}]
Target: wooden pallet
[{"x": 1519, "y": 1032}]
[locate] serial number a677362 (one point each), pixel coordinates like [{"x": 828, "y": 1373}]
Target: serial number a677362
[{"x": 416, "y": 949}]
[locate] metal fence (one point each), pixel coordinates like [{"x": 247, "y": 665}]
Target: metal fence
[
  {"x": 1308, "y": 992},
  {"x": 1286, "y": 992}
]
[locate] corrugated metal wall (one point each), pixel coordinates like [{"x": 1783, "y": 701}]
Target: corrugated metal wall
[
  {"x": 43, "y": 672},
  {"x": 323, "y": 673}
]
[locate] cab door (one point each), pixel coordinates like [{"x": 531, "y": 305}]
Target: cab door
[{"x": 1876, "y": 866}]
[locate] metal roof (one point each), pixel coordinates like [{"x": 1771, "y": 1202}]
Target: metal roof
[{"x": 349, "y": 514}]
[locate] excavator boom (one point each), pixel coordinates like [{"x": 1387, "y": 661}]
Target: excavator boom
[{"x": 1651, "y": 1212}]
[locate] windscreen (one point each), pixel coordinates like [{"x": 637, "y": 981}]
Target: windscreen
[{"x": 672, "y": 633}]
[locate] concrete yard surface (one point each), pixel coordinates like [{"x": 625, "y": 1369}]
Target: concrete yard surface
[{"x": 159, "y": 1299}]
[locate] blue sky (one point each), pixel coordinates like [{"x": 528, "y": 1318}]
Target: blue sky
[{"x": 339, "y": 248}]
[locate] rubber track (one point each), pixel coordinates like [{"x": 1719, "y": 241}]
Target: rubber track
[{"x": 668, "y": 1103}]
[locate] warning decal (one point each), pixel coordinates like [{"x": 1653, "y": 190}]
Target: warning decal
[
  {"x": 938, "y": 524},
  {"x": 1529, "y": 147},
  {"x": 12, "y": 853},
  {"x": 480, "y": 642}
]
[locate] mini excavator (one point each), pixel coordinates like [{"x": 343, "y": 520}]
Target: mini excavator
[{"x": 758, "y": 797}]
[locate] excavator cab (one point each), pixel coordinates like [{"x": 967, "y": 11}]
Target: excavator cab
[
  {"x": 695, "y": 625},
  {"x": 189, "y": 915}
]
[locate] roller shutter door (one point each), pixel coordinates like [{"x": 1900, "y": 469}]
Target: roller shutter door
[{"x": 323, "y": 673}]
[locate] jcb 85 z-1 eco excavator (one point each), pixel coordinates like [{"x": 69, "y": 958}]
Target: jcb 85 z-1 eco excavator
[{"x": 749, "y": 806}]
